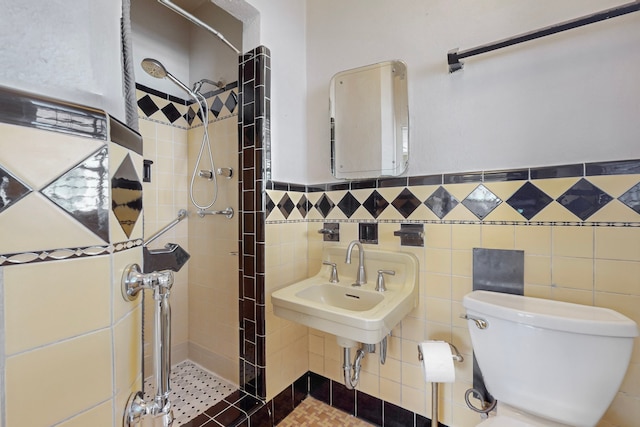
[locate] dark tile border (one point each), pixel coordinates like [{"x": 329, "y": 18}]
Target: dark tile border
[
  {"x": 254, "y": 147},
  {"x": 353, "y": 402}
]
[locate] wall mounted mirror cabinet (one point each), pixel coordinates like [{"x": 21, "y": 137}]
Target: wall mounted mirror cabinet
[{"x": 369, "y": 121}]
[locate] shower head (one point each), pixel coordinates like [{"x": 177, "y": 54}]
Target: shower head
[{"x": 155, "y": 69}]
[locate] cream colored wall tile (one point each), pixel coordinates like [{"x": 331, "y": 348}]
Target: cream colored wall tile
[
  {"x": 100, "y": 416},
  {"x": 461, "y": 191},
  {"x": 128, "y": 352},
  {"x": 617, "y": 276},
  {"x": 410, "y": 351},
  {"x": 466, "y": 236},
  {"x": 573, "y": 241},
  {"x": 555, "y": 212},
  {"x": 461, "y": 213},
  {"x": 391, "y": 391},
  {"x": 392, "y": 369},
  {"x": 537, "y": 291},
  {"x": 624, "y": 304},
  {"x": 414, "y": 399},
  {"x": 413, "y": 329},
  {"x": 37, "y": 292},
  {"x": 498, "y": 237},
  {"x": 534, "y": 240},
  {"x": 622, "y": 243},
  {"x": 615, "y": 211},
  {"x": 572, "y": 273},
  {"x": 412, "y": 375},
  {"x": 537, "y": 269},
  {"x": 438, "y": 236},
  {"x": 437, "y": 261},
  {"x": 437, "y": 285},
  {"x": 460, "y": 286},
  {"x": 462, "y": 263},
  {"x": 504, "y": 212},
  {"x": 74, "y": 375},
  {"x": 504, "y": 189},
  {"x": 369, "y": 384},
  {"x": 555, "y": 187},
  {"x": 30, "y": 232},
  {"x": 43, "y": 155},
  {"x": 614, "y": 185},
  {"x": 438, "y": 310},
  {"x": 576, "y": 296}
]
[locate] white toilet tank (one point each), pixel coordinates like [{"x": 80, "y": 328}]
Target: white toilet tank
[{"x": 560, "y": 361}]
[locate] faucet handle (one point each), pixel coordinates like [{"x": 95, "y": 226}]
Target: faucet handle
[
  {"x": 380, "y": 285},
  {"x": 334, "y": 271}
]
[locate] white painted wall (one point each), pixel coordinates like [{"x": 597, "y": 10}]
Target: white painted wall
[
  {"x": 211, "y": 58},
  {"x": 161, "y": 34},
  {"x": 571, "y": 97},
  {"x": 67, "y": 50},
  {"x": 282, "y": 29}
]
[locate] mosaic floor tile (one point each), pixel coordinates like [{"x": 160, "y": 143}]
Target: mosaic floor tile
[
  {"x": 313, "y": 413},
  {"x": 194, "y": 390}
]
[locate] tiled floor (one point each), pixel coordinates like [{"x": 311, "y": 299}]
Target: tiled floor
[
  {"x": 194, "y": 390},
  {"x": 313, "y": 413}
]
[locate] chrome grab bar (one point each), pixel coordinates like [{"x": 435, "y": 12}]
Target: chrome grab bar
[
  {"x": 228, "y": 212},
  {"x": 134, "y": 281},
  {"x": 480, "y": 323},
  {"x": 182, "y": 214}
]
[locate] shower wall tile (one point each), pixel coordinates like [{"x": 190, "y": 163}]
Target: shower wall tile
[
  {"x": 62, "y": 372},
  {"x": 58, "y": 275},
  {"x": 41, "y": 290}
]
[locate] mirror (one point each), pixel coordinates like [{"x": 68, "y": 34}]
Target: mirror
[{"x": 369, "y": 121}]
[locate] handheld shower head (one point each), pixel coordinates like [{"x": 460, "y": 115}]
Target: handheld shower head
[{"x": 155, "y": 69}]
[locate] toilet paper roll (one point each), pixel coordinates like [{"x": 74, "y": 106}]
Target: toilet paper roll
[{"x": 437, "y": 362}]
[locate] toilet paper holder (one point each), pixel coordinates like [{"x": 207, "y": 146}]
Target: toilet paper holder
[
  {"x": 457, "y": 357},
  {"x": 455, "y": 354}
]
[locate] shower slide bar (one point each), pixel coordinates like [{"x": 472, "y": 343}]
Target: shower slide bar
[
  {"x": 198, "y": 22},
  {"x": 182, "y": 214},
  {"x": 454, "y": 56},
  {"x": 228, "y": 212}
]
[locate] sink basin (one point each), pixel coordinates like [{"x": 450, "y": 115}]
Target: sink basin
[
  {"x": 353, "y": 314},
  {"x": 342, "y": 297}
]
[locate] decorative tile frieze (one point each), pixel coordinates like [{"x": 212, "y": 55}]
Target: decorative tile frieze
[
  {"x": 11, "y": 189},
  {"x": 161, "y": 107},
  {"x": 524, "y": 199}
]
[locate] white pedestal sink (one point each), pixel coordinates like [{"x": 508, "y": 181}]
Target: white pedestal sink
[{"x": 353, "y": 314}]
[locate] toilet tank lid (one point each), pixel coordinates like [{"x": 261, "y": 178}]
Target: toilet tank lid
[{"x": 549, "y": 314}]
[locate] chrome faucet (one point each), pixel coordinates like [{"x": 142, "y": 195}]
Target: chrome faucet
[{"x": 361, "y": 277}]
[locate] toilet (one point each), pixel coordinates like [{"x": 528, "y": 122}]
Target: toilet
[{"x": 548, "y": 363}]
